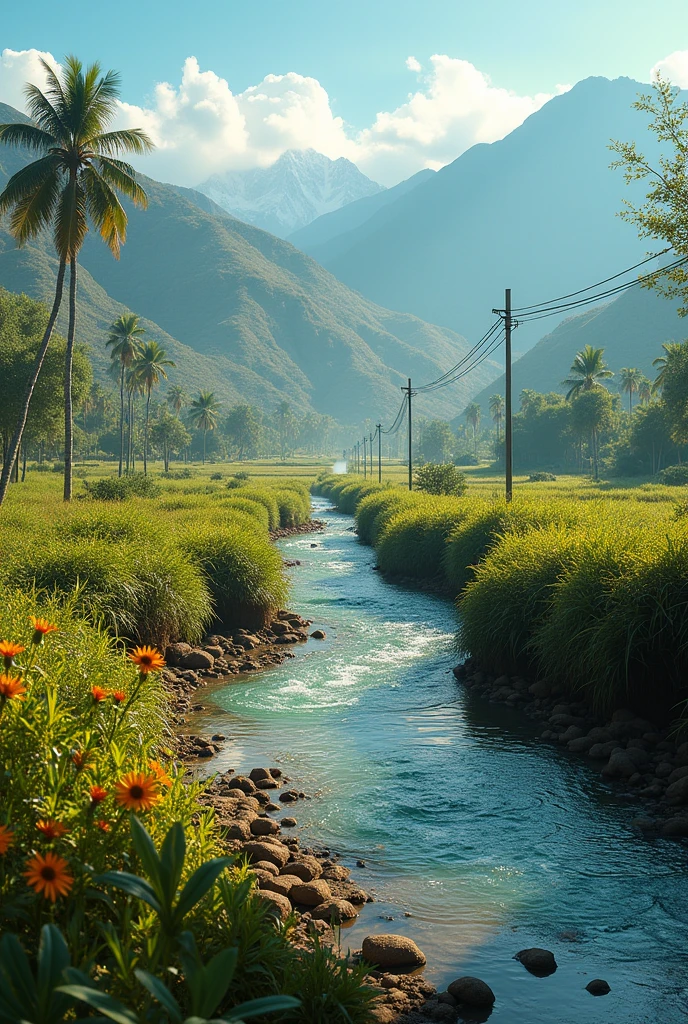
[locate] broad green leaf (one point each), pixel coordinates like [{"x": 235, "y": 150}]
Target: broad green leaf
[
  {"x": 198, "y": 885},
  {"x": 148, "y": 855},
  {"x": 102, "y": 1002},
  {"x": 15, "y": 965},
  {"x": 53, "y": 957},
  {"x": 132, "y": 885},
  {"x": 159, "y": 992},
  {"x": 172, "y": 854},
  {"x": 216, "y": 978}
]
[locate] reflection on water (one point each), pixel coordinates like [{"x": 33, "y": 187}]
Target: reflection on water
[{"x": 490, "y": 842}]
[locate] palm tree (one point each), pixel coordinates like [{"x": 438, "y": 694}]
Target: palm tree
[
  {"x": 126, "y": 346},
  {"x": 496, "y": 405},
  {"x": 148, "y": 368},
  {"x": 203, "y": 413},
  {"x": 588, "y": 369},
  {"x": 134, "y": 388},
  {"x": 75, "y": 179},
  {"x": 645, "y": 391},
  {"x": 630, "y": 380},
  {"x": 176, "y": 398},
  {"x": 671, "y": 348},
  {"x": 472, "y": 414}
]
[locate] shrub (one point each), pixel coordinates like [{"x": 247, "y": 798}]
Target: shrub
[
  {"x": 216, "y": 476},
  {"x": 441, "y": 478},
  {"x": 264, "y": 496},
  {"x": 253, "y": 508},
  {"x": 674, "y": 476},
  {"x": 350, "y": 494},
  {"x": 178, "y": 474},
  {"x": 542, "y": 478},
  {"x": 103, "y": 522},
  {"x": 113, "y": 488},
  {"x": 375, "y": 510},
  {"x": 413, "y": 541},
  {"x": 294, "y": 507}
]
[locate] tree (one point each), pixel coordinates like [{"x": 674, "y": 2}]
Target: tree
[
  {"x": 443, "y": 478},
  {"x": 287, "y": 427},
  {"x": 591, "y": 411},
  {"x": 496, "y": 406},
  {"x": 125, "y": 345},
  {"x": 675, "y": 392},
  {"x": 664, "y": 215},
  {"x": 671, "y": 348},
  {"x": 588, "y": 370},
  {"x": 630, "y": 379},
  {"x": 203, "y": 413},
  {"x": 472, "y": 414},
  {"x": 438, "y": 442},
  {"x": 645, "y": 390},
  {"x": 75, "y": 179},
  {"x": 176, "y": 398},
  {"x": 169, "y": 435},
  {"x": 244, "y": 429},
  {"x": 148, "y": 369}
]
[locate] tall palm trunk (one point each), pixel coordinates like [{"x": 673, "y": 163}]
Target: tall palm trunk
[
  {"x": 204, "y": 433},
  {"x": 69, "y": 360},
  {"x": 145, "y": 436},
  {"x": 121, "y": 421},
  {"x": 13, "y": 447}
]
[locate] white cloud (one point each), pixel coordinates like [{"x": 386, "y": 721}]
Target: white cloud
[
  {"x": 674, "y": 68},
  {"x": 201, "y": 127}
]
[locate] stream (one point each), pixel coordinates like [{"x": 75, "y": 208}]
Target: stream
[{"x": 478, "y": 840}]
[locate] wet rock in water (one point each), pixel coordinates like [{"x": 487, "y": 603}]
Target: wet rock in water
[
  {"x": 360, "y": 863},
  {"x": 241, "y": 782},
  {"x": 392, "y": 951},
  {"x": 287, "y": 822},
  {"x": 598, "y": 987},
  {"x": 318, "y": 634},
  {"x": 274, "y": 852},
  {"x": 311, "y": 894},
  {"x": 197, "y": 659},
  {"x": 335, "y": 910},
  {"x": 276, "y": 773},
  {"x": 677, "y": 792},
  {"x": 289, "y": 796},
  {"x": 537, "y": 961},
  {"x": 471, "y": 992},
  {"x": 256, "y": 774},
  {"x": 280, "y": 904},
  {"x": 307, "y": 868},
  {"x": 266, "y": 865},
  {"x": 264, "y": 827},
  {"x": 267, "y": 784}
]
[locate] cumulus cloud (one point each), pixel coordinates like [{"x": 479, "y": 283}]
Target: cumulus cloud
[
  {"x": 201, "y": 127},
  {"x": 674, "y": 68}
]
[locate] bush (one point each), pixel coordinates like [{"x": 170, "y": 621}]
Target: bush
[
  {"x": 264, "y": 496},
  {"x": 113, "y": 488},
  {"x": 674, "y": 476},
  {"x": 294, "y": 507},
  {"x": 375, "y": 510},
  {"x": 441, "y": 478},
  {"x": 253, "y": 508},
  {"x": 413, "y": 541},
  {"x": 216, "y": 476},
  {"x": 178, "y": 474},
  {"x": 542, "y": 478}
]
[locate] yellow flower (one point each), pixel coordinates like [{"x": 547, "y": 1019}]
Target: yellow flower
[
  {"x": 137, "y": 792},
  {"x": 48, "y": 875}
]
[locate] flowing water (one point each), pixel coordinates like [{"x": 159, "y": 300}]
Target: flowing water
[{"x": 478, "y": 841}]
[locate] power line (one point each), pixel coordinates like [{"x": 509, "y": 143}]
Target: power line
[{"x": 485, "y": 338}]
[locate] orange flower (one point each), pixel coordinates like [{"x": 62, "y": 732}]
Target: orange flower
[
  {"x": 98, "y": 794},
  {"x": 10, "y": 687},
  {"x": 81, "y": 759},
  {"x": 137, "y": 792},
  {"x": 98, "y": 694},
  {"x": 6, "y": 838},
  {"x": 48, "y": 875},
  {"x": 40, "y": 628},
  {"x": 119, "y": 696},
  {"x": 8, "y": 651},
  {"x": 160, "y": 773},
  {"x": 148, "y": 659},
  {"x": 51, "y": 829},
  {"x": 103, "y": 825}
]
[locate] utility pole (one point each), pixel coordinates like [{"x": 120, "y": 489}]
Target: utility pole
[
  {"x": 508, "y": 443},
  {"x": 410, "y": 437},
  {"x": 379, "y": 453},
  {"x": 370, "y": 437},
  {"x": 365, "y": 458}
]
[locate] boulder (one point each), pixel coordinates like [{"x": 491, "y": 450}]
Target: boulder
[
  {"x": 279, "y": 904},
  {"x": 675, "y": 828},
  {"x": 335, "y": 910},
  {"x": 601, "y": 751},
  {"x": 246, "y": 786},
  {"x": 196, "y": 659},
  {"x": 267, "y": 784},
  {"x": 598, "y": 987},
  {"x": 336, "y": 872},
  {"x": 540, "y": 689},
  {"x": 283, "y": 884},
  {"x": 537, "y": 961},
  {"x": 312, "y": 894},
  {"x": 213, "y": 650},
  {"x": 676, "y": 774},
  {"x": 286, "y": 822},
  {"x": 581, "y": 745},
  {"x": 392, "y": 951},
  {"x": 175, "y": 652},
  {"x": 318, "y": 634},
  {"x": 289, "y": 796},
  {"x": 264, "y": 827},
  {"x": 620, "y": 765},
  {"x": 471, "y": 992},
  {"x": 238, "y": 830},
  {"x": 266, "y": 865},
  {"x": 256, "y": 774},
  {"x": 307, "y": 869},
  {"x": 274, "y": 852},
  {"x": 677, "y": 792}
]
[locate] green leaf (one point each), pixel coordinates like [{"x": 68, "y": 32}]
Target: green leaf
[
  {"x": 216, "y": 977},
  {"x": 172, "y": 854},
  {"x": 132, "y": 885},
  {"x": 102, "y": 1002},
  {"x": 15, "y": 965},
  {"x": 53, "y": 957},
  {"x": 257, "y": 1007},
  {"x": 201, "y": 881},
  {"x": 148, "y": 855},
  {"x": 159, "y": 992}
]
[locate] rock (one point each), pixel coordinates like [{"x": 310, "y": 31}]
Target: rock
[
  {"x": 264, "y": 827},
  {"x": 280, "y": 904},
  {"x": 241, "y": 782},
  {"x": 676, "y": 774},
  {"x": 471, "y": 992},
  {"x": 677, "y": 792},
  {"x": 623, "y": 715},
  {"x": 274, "y": 852},
  {"x": 238, "y": 830},
  {"x": 267, "y": 784},
  {"x": 197, "y": 659},
  {"x": 318, "y": 634},
  {"x": 601, "y": 751},
  {"x": 312, "y": 894},
  {"x": 287, "y": 822},
  {"x": 336, "y": 872},
  {"x": 213, "y": 650},
  {"x": 581, "y": 745},
  {"x": 574, "y": 732},
  {"x": 283, "y": 884},
  {"x": 392, "y": 951},
  {"x": 266, "y": 865},
  {"x": 599, "y": 735},
  {"x": 598, "y": 987},
  {"x": 620, "y": 766},
  {"x": 307, "y": 869},
  {"x": 537, "y": 961},
  {"x": 335, "y": 910},
  {"x": 447, "y": 998},
  {"x": 540, "y": 689},
  {"x": 675, "y": 828},
  {"x": 256, "y": 774},
  {"x": 289, "y": 796},
  {"x": 175, "y": 652}
]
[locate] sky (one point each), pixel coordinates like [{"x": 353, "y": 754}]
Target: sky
[{"x": 394, "y": 85}]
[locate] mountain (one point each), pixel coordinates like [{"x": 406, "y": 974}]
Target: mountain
[
  {"x": 242, "y": 312},
  {"x": 300, "y": 186},
  {"x": 328, "y": 236},
  {"x": 631, "y": 330},
  {"x": 536, "y": 212}
]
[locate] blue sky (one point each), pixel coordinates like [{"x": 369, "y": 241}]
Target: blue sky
[{"x": 355, "y": 50}]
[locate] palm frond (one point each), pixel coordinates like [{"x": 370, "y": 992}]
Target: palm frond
[
  {"x": 26, "y": 135},
  {"x": 70, "y": 224},
  {"x": 45, "y": 114},
  {"x": 126, "y": 140},
  {"x": 112, "y": 172},
  {"x": 25, "y": 181},
  {"x": 105, "y": 209},
  {"x": 33, "y": 201},
  {"x": 100, "y": 100}
]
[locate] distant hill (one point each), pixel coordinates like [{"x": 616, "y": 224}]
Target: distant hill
[
  {"x": 536, "y": 212},
  {"x": 631, "y": 330},
  {"x": 300, "y": 186},
  {"x": 241, "y": 311},
  {"x": 329, "y": 235}
]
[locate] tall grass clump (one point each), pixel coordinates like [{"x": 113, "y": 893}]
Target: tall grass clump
[
  {"x": 375, "y": 510},
  {"x": 112, "y": 488},
  {"x": 511, "y": 594},
  {"x": 264, "y": 496},
  {"x": 294, "y": 506},
  {"x": 104, "y": 521},
  {"x": 243, "y": 572},
  {"x": 253, "y": 508},
  {"x": 413, "y": 541},
  {"x": 350, "y": 495}
]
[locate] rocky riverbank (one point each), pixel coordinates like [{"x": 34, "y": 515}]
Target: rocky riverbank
[{"x": 644, "y": 763}]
